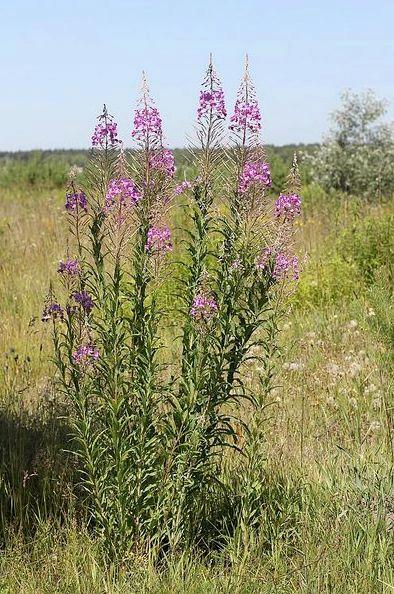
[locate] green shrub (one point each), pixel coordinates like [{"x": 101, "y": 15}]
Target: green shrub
[
  {"x": 369, "y": 244},
  {"x": 325, "y": 281}
]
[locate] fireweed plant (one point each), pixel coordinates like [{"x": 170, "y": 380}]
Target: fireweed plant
[{"x": 153, "y": 433}]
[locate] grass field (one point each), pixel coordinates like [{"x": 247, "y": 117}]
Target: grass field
[{"x": 329, "y": 451}]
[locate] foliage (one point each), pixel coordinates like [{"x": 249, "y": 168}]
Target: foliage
[
  {"x": 369, "y": 243},
  {"x": 50, "y": 169},
  {"x": 358, "y": 154}
]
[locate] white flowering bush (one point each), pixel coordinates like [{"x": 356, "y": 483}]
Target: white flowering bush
[
  {"x": 153, "y": 416},
  {"x": 357, "y": 156}
]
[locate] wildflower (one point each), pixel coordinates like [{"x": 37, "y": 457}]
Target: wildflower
[
  {"x": 264, "y": 258},
  {"x": 182, "y": 187},
  {"x": 246, "y": 117},
  {"x": 85, "y": 354},
  {"x": 203, "y": 307},
  {"x": 163, "y": 160},
  {"x": 254, "y": 173},
  {"x": 84, "y": 300},
  {"x": 52, "y": 311},
  {"x": 285, "y": 266},
  {"x": 106, "y": 131},
  {"x": 211, "y": 103},
  {"x": 159, "y": 240},
  {"x": 288, "y": 206},
  {"x": 236, "y": 264},
  {"x": 147, "y": 122},
  {"x": 71, "y": 309},
  {"x": 69, "y": 267},
  {"x": 122, "y": 190},
  {"x": 76, "y": 201}
]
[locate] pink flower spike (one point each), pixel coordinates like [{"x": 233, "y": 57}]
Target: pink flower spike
[
  {"x": 182, "y": 187},
  {"x": 121, "y": 191},
  {"x": 211, "y": 105},
  {"x": 106, "y": 131},
  {"x": 288, "y": 206},
  {"x": 163, "y": 160},
  {"x": 159, "y": 241},
  {"x": 254, "y": 173},
  {"x": 85, "y": 355},
  {"x": 203, "y": 307},
  {"x": 246, "y": 117}
]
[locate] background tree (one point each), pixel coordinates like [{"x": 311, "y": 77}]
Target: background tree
[{"x": 357, "y": 156}]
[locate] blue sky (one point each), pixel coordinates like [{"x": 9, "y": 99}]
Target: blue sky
[{"x": 60, "y": 60}]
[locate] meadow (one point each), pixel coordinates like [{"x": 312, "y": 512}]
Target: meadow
[{"x": 327, "y": 511}]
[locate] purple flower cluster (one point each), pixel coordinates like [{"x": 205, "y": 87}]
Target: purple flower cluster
[
  {"x": 288, "y": 206},
  {"x": 163, "y": 160},
  {"x": 236, "y": 264},
  {"x": 122, "y": 191},
  {"x": 52, "y": 311},
  {"x": 76, "y": 201},
  {"x": 147, "y": 122},
  {"x": 84, "y": 300},
  {"x": 182, "y": 187},
  {"x": 212, "y": 102},
  {"x": 254, "y": 173},
  {"x": 85, "y": 354},
  {"x": 285, "y": 266},
  {"x": 69, "y": 267},
  {"x": 105, "y": 132},
  {"x": 264, "y": 258},
  {"x": 159, "y": 240},
  {"x": 246, "y": 117},
  {"x": 203, "y": 307}
]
